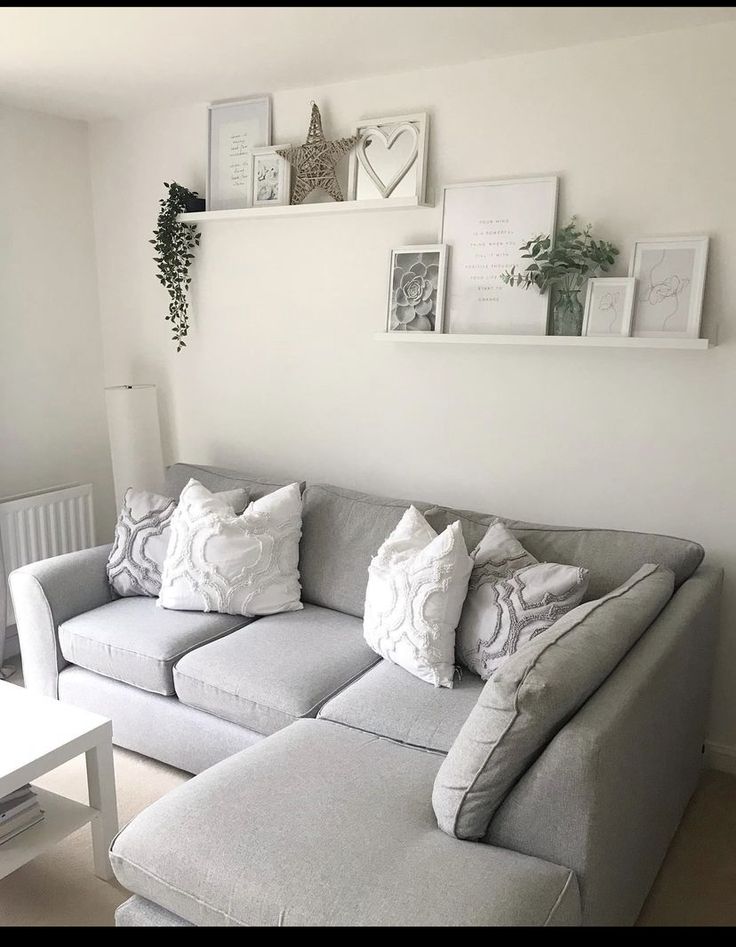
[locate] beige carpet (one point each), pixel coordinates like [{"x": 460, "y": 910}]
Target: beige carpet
[{"x": 697, "y": 883}]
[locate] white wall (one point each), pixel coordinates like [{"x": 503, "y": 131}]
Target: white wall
[
  {"x": 52, "y": 416},
  {"x": 282, "y": 373}
]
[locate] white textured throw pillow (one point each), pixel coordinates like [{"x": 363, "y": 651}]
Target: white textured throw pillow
[
  {"x": 239, "y": 565},
  {"x": 142, "y": 535},
  {"x": 416, "y": 586},
  {"x": 511, "y": 599}
]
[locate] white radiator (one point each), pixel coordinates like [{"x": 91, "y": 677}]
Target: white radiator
[{"x": 45, "y": 523}]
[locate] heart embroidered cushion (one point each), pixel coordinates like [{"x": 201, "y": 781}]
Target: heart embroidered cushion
[
  {"x": 238, "y": 565},
  {"x": 416, "y": 587},
  {"x": 511, "y": 599},
  {"x": 141, "y": 539}
]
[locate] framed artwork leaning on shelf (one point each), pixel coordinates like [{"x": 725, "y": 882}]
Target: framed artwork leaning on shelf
[
  {"x": 485, "y": 224},
  {"x": 234, "y": 129},
  {"x": 271, "y": 177},
  {"x": 670, "y": 280},
  {"x": 416, "y": 291},
  {"x": 609, "y": 304}
]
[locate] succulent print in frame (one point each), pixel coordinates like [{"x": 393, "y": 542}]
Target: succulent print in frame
[{"x": 416, "y": 298}]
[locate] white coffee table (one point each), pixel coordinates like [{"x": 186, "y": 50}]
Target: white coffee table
[{"x": 37, "y": 734}]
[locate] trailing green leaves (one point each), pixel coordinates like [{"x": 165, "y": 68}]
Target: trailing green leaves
[
  {"x": 574, "y": 257},
  {"x": 174, "y": 242}
]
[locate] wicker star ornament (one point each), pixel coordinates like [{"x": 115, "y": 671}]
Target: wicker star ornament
[{"x": 315, "y": 160}]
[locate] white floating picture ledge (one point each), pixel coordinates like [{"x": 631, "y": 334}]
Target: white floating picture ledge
[
  {"x": 580, "y": 341},
  {"x": 303, "y": 210}
]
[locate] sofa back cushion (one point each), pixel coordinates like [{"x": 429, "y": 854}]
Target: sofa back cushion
[
  {"x": 533, "y": 694},
  {"x": 341, "y": 531},
  {"x": 217, "y": 479},
  {"x": 610, "y": 555}
]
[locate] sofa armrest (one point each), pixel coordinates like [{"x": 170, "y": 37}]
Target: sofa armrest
[
  {"x": 608, "y": 792},
  {"x": 46, "y": 594}
]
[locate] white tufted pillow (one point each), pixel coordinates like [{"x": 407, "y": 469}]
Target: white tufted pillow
[
  {"x": 416, "y": 586},
  {"x": 511, "y": 599},
  {"x": 239, "y": 565},
  {"x": 141, "y": 540}
]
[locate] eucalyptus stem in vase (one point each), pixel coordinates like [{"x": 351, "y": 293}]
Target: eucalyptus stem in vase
[{"x": 563, "y": 267}]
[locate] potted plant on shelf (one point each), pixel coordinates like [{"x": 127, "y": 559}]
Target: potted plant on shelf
[
  {"x": 174, "y": 241},
  {"x": 563, "y": 266}
]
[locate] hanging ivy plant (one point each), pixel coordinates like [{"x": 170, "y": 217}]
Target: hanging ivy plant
[{"x": 174, "y": 242}]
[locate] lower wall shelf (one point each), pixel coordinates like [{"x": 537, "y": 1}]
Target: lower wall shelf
[{"x": 584, "y": 341}]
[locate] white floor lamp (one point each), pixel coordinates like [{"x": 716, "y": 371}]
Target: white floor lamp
[{"x": 135, "y": 439}]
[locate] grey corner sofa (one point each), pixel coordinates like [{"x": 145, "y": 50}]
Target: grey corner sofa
[{"x": 316, "y": 759}]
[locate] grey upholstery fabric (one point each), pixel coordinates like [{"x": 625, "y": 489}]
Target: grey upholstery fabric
[
  {"x": 341, "y": 532},
  {"x": 135, "y": 641},
  {"x": 611, "y": 555},
  {"x": 301, "y": 830},
  {"x": 218, "y": 479},
  {"x": 276, "y": 670},
  {"x": 137, "y": 912},
  {"x": 533, "y": 693},
  {"x": 391, "y": 702},
  {"x": 156, "y": 726},
  {"x": 47, "y": 593},
  {"x": 608, "y": 792}
]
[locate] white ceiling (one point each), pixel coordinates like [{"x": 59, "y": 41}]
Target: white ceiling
[{"x": 97, "y": 62}]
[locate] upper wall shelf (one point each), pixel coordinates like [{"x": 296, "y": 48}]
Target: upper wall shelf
[
  {"x": 581, "y": 341},
  {"x": 302, "y": 210}
]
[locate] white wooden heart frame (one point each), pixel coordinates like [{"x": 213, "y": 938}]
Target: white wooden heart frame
[{"x": 389, "y": 129}]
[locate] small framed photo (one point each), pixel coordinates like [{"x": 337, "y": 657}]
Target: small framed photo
[
  {"x": 416, "y": 294},
  {"x": 609, "y": 305},
  {"x": 390, "y": 159},
  {"x": 271, "y": 176},
  {"x": 670, "y": 279},
  {"x": 234, "y": 130}
]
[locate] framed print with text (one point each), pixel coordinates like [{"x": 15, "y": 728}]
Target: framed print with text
[
  {"x": 234, "y": 129},
  {"x": 484, "y": 225}
]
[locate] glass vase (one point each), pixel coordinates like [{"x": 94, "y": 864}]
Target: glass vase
[{"x": 567, "y": 308}]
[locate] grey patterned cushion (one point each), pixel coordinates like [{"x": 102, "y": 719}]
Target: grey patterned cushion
[
  {"x": 142, "y": 537},
  {"x": 511, "y": 599},
  {"x": 534, "y": 693}
]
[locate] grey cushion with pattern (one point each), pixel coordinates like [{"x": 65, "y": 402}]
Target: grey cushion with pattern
[
  {"x": 142, "y": 536},
  {"x": 535, "y": 693}
]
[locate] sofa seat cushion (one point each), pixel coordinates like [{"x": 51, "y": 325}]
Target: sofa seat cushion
[
  {"x": 276, "y": 670},
  {"x": 134, "y": 641},
  {"x": 390, "y": 702},
  {"x": 324, "y": 825}
]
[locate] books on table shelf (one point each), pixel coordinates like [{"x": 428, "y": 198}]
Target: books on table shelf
[{"x": 19, "y": 810}]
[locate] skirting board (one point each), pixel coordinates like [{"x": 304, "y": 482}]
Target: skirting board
[{"x": 719, "y": 756}]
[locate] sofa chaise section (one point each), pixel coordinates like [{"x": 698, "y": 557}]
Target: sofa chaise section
[{"x": 321, "y": 824}]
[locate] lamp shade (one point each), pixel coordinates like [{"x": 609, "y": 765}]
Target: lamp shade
[{"x": 135, "y": 439}]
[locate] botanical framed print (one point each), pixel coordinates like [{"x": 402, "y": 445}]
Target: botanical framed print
[
  {"x": 234, "y": 130},
  {"x": 484, "y": 224},
  {"x": 390, "y": 159},
  {"x": 670, "y": 279},
  {"x": 271, "y": 177},
  {"x": 416, "y": 293},
  {"x": 609, "y": 305}
]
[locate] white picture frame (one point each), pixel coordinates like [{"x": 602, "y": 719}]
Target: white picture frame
[
  {"x": 412, "y": 271},
  {"x": 609, "y": 306},
  {"x": 484, "y": 223},
  {"x": 405, "y": 137},
  {"x": 670, "y": 276},
  {"x": 234, "y": 128},
  {"x": 270, "y": 177}
]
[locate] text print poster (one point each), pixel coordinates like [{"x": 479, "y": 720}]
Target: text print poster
[
  {"x": 235, "y": 130},
  {"x": 485, "y": 224}
]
